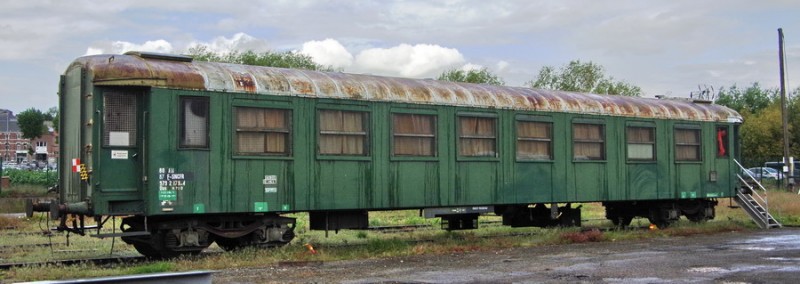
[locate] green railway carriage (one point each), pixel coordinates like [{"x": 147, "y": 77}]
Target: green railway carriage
[{"x": 197, "y": 152}]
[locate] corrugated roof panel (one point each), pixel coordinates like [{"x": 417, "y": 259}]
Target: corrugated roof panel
[{"x": 133, "y": 70}]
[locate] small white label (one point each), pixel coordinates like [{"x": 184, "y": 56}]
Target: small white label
[
  {"x": 270, "y": 190},
  {"x": 119, "y": 154},
  {"x": 270, "y": 179}
]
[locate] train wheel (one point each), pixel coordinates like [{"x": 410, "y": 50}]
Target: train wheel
[
  {"x": 622, "y": 221},
  {"x": 697, "y": 217},
  {"x": 659, "y": 220},
  {"x": 228, "y": 244},
  {"x": 147, "y": 250}
]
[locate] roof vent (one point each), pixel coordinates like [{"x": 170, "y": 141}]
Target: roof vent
[{"x": 161, "y": 56}]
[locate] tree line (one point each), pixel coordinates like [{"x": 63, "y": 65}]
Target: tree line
[{"x": 761, "y": 133}]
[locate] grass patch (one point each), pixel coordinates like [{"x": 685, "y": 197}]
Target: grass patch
[
  {"x": 24, "y": 190},
  {"x": 156, "y": 267},
  {"x": 785, "y": 207},
  {"x": 9, "y": 222}
]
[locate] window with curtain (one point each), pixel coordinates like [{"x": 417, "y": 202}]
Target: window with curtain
[
  {"x": 641, "y": 143},
  {"x": 194, "y": 122},
  {"x": 588, "y": 141},
  {"x": 342, "y": 132},
  {"x": 534, "y": 140},
  {"x": 687, "y": 144},
  {"x": 477, "y": 136},
  {"x": 414, "y": 134},
  {"x": 263, "y": 131}
]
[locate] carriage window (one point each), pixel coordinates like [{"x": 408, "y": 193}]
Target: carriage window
[
  {"x": 194, "y": 122},
  {"x": 262, "y": 131},
  {"x": 342, "y": 132},
  {"x": 477, "y": 136},
  {"x": 722, "y": 142},
  {"x": 588, "y": 141},
  {"x": 414, "y": 134},
  {"x": 119, "y": 120},
  {"x": 687, "y": 144},
  {"x": 534, "y": 140},
  {"x": 641, "y": 143}
]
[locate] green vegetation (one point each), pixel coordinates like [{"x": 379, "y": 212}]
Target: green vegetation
[
  {"x": 31, "y": 123},
  {"x": 480, "y": 76},
  {"x": 43, "y": 178},
  {"x": 585, "y": 77},
  {"x": 287, "y": 59},
  {"x": 762, "y": 132}
]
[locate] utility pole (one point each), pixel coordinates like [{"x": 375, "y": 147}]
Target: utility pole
[{"x": 787, "y": 161}]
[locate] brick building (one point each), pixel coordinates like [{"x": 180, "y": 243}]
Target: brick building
[{"x": 16, "y": 149}]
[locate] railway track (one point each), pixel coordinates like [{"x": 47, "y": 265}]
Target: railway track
[
  {"x": 189, "y": 277},
  {"x": 67, "y": 262},
  {"x": 382, "y": 229}
]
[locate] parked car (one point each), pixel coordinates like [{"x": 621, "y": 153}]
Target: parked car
[
  {"x": 765, "y": 173},
  {"x": 778, "y": 166}
]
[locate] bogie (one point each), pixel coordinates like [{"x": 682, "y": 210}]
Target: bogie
[
  {"x": 190, "y": 235},
  {"x": 660, "y": 213}
]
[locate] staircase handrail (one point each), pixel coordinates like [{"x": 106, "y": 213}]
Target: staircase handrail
[{"x": 764, "y": 199}]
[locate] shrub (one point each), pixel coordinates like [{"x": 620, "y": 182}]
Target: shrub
[
  {"x": 32, "y": 177},
  {"x": 582, "y": 237}
]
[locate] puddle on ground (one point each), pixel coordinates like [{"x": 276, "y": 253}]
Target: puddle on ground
[
  {"x": 769, "y": 243},
  {"x": 790, "y": 241},
  {"x": 707, "y": 270}
]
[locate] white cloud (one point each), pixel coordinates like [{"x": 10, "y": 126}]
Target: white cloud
[
  {"x": 502, "y": 65},
  {"x": 161, "y": 46},
  {"x": 471, "y": 66},
  {"x": 418, "y": 61},
  {"x": 328, "y": 52},
  {"x": 239, "y": 41}
]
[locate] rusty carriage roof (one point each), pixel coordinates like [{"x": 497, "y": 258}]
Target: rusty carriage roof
[{"x": 180, "y": 72}]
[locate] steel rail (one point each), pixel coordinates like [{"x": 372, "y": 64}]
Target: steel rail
[
  {"x": 65, "y": 262},
  {"x": 189, "y": 277}
]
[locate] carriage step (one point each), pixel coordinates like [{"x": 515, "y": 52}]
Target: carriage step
[{"x": 757, "y": 212}]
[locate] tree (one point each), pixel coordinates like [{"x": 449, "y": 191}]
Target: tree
[
  {"x": 31, "y": 123},
  {"x": 762, "y": 135},
  {"x": 793, "y": 117},
  {"x": 288, "y": 59},
  {"x": 582, "y": 77},
  {"x": 482, "y": 76},
  {"x": 52, "y": 116},
  {"x": 753, "y": 99}
]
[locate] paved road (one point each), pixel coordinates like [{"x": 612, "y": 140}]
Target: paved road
[{"x": 751, "y": 257}]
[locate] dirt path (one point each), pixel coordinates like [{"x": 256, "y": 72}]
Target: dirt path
[{"x": 750, "y": 257}]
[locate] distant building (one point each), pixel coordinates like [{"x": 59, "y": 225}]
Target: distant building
[{"x": 15, "y": 148}]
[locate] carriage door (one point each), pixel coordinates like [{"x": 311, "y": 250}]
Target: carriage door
[
  {"x": 724, "y": 167},
  {"x": 121, "y": 152}
]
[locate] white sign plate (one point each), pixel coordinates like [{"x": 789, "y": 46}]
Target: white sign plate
[{"x": 119, "y": 154}]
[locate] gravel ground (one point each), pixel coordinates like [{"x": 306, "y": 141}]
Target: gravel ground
[{"x": 771, "y": 256}]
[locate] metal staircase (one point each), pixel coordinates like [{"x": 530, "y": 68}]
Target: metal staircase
[{"x": 753, "y": 202}]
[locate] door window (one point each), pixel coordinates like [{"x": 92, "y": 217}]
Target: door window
[{"x": 119, "y": 119}]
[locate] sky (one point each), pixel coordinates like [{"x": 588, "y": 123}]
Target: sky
[{"x": 670, "y": 48}]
